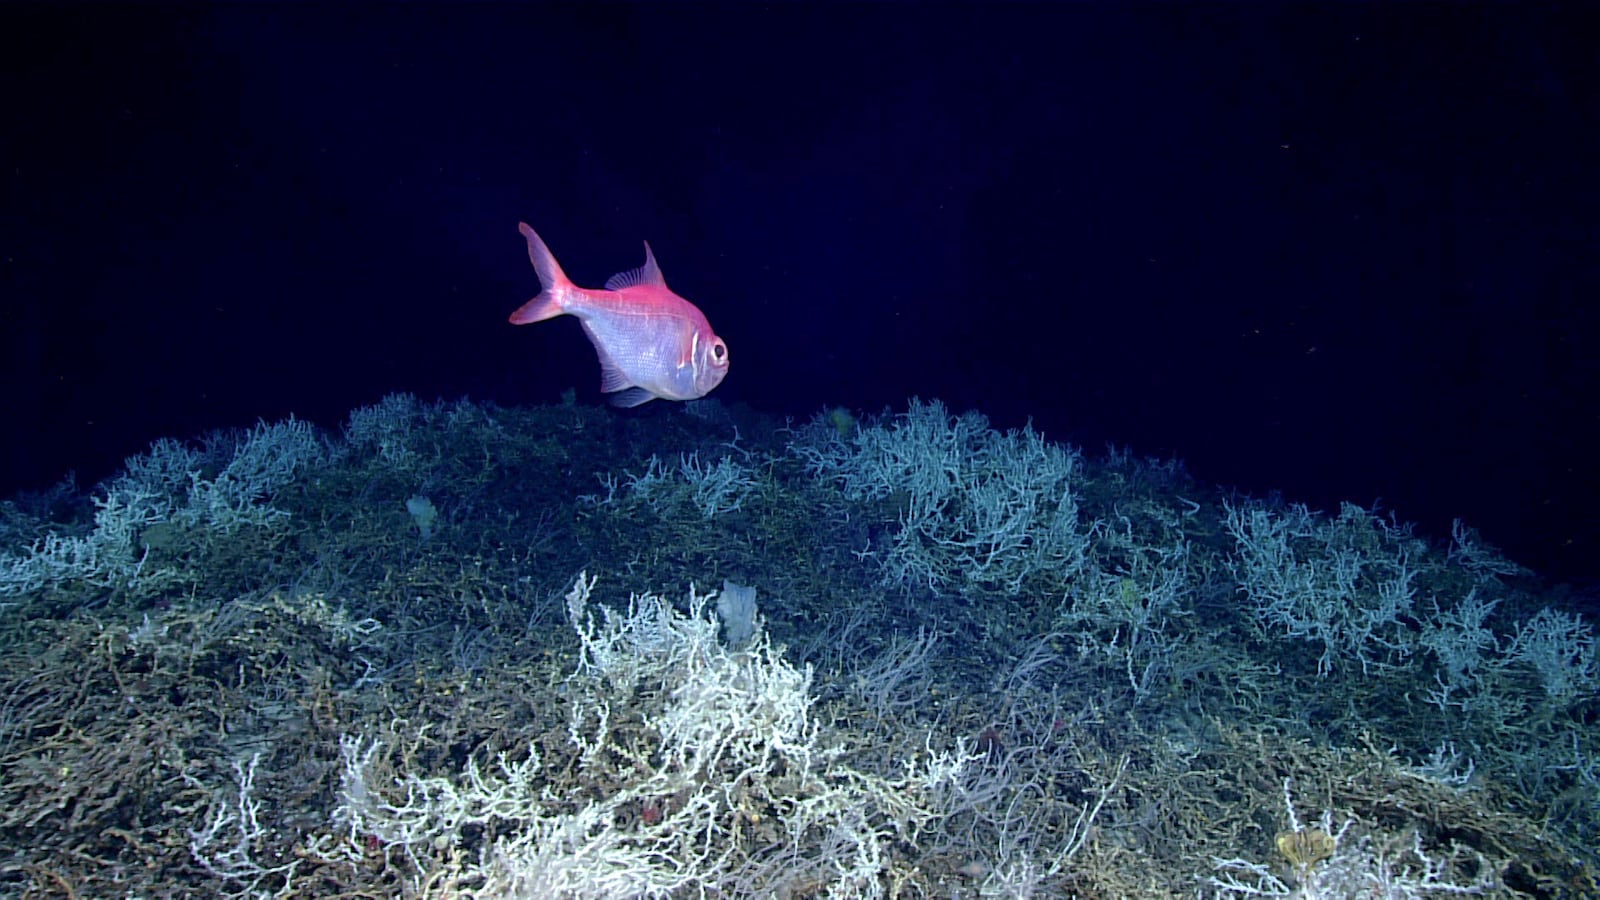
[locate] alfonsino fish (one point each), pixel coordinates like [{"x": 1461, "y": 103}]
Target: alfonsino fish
[{"x": 652, "y": 343}]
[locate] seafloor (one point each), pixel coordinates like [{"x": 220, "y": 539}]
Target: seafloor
[{"x": 283, "y": 662}]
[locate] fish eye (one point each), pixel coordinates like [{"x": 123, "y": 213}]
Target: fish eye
[{"x": 719, "y": 351}]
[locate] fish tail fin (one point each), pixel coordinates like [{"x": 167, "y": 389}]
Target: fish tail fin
[{"x": 551, "y": 301}]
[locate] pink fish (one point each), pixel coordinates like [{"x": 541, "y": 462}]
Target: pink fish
[{"x": 652, "y": 343}]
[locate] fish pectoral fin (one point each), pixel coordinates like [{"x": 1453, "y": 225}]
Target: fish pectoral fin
[
  {"x": 611, "y": 377},
  {"x": 633, "y": 396}
]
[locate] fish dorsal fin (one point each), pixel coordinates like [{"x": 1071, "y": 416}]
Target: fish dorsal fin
[{"x": 649, "y": 273}]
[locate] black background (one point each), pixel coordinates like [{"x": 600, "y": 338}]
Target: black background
[{"x": 1345, "y": 252}]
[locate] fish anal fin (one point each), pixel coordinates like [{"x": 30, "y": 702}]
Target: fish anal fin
[{"x": 633, "y": 396}]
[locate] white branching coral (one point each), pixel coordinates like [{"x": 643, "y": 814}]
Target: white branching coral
[{"x": 723, "y": 780}]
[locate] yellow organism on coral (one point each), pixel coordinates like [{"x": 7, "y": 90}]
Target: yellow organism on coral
[{"x": 1304, "y": 848}]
